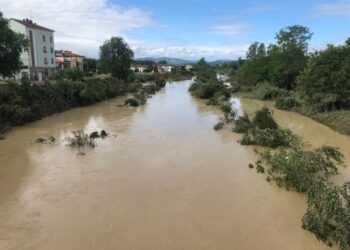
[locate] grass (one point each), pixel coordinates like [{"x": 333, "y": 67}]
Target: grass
[{"x": 337, "y": 120}]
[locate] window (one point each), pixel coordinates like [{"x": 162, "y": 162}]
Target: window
[
  {"x": 52, "y": 61},
  {"x": 44, "y": 38},
  {"x": 44, "y": 49},
  {"x": 45, "y": 60},
  {"x": 51, "y": 50},
  {"x": 51, "y": 40}
]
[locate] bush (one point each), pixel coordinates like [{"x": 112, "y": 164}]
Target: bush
[
  {"x": 263, "y": 119},
  {"x": 219, "y": 126},
  {"x": 287, "y": 103},
  {"x": 266, "y": 91},
  {"x": 242, "y": 124},
  {"x": 270, "y": 138},
  {"x": 80, "y": 139},
  {"x": 132, "y": 102}
]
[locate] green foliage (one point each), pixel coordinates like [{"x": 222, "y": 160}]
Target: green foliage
[
  {"x": 325, "y": 82},
  {"x": 116, "y": 58},
  {"x": 264, "y": 131},
  {"x": 22, "y": 103},
  {"x": 280, "y": 63},
  {"x": 242, "y": 124},
  {"x": 263, "y": 119},
  {"x": 297, "y": 169},
  {"x": 132, "y": 102},
  {"x": 270, "y": 137},
  {"x": 80, "y": 139},
  {"x": 219, "y": 125},
  {"x": 338, "y": 120},
  {"x": 206, "y": 85},
  {"x": 287, "y": 103},
  {"x": 74, "y": 74},
  {"x": 12, "y": 44},
  {"x": 228, "y": 113},
  {"x": 308, "y": 171},
  {"x": 266, "y": 91}
]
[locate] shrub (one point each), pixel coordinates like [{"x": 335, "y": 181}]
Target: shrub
[
  {"x": 80, "y": 139},
  {"x": 287, "y": 103},
  {"x": 270, "y": 138},
  {"x": 242, "y": 124},
  {"x": 132, "y": 102},
  {"x": 266, "y": 91},
  {"x": 298, "y": 169},
  {"x": 219, "y": 126},
  {"x": 263, "y": 119}
]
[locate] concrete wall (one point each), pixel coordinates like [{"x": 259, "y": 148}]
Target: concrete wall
[{"x": 20, "y": 28}]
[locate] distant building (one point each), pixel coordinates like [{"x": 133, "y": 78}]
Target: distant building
[
  {"x": 138, "y": 68},
  {"x": 188, "y": 67},
  {"x": 39, "y": 61},
  {"x": 165, "y": 68},
  {"x": 66, "y": 59}
]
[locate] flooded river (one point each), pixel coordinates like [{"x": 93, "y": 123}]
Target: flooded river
[{"x": 163, "y": 179}]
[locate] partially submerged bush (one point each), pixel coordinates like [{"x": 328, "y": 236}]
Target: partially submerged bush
[
  {"x": 50, "y": 139},
  {"x": 219, "y": 126},
  {"x": 242, "y": 124},
  {"x": 132, "y": 102},
  {"x": 308, "y": 171},
  {"x": 298, "y": 169},
  {"x": 287, "y": 103},
  {"x": 227, "y": 111},
  {"x": 270, "y": 138},
  {"x": 266, "y": 91},
  {"x": 263, "y": 119},
  {"x": 328, "y": 214},
  {"x": 80, "y": 139},
  {"x": 264, "y": 131}
]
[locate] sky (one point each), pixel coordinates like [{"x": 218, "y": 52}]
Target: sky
[{"x": 187, "y": 29}]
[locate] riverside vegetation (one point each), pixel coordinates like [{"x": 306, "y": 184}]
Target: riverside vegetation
[
  {"x": 289, "y": 163},
  {"x": 314, "y": 84}
]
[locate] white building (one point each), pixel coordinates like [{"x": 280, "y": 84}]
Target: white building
[{"x": 39, "y": 60}]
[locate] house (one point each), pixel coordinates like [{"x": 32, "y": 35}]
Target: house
[
  {"x": 38, "y": 63},
  {"x": 188, "y": 67},
  {"x": 165, "y": 68},
  {"x": 138, "y": 68},
  {"x": 66, "y": 59}
]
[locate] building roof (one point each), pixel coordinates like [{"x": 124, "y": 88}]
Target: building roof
[
  {"x": 30, "y": 24},
  {"x": 67, "y": 53}
]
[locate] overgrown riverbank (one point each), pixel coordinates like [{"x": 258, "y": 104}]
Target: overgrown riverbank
[
  {"x": 27, "y": 102},
  {"x": 314, "y": 84},
  {"x": 285, "y": 159}
]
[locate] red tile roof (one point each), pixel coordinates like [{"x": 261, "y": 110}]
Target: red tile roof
[{"x": 30, "y": 24}]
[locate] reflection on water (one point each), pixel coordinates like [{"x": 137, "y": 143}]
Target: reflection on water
[{"x": 165, "y": 180}]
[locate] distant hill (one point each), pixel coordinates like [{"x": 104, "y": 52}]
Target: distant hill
[
  {"x": 180, "y": 61},
  {"x": 168, "y": 59},
  {"x": 219, "y": 62}
]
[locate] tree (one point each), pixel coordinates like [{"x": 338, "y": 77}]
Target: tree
[
  {"x": 90, "y": 64},
  {"x": 325, "y": 82},
  {"x": 12, "y": 44},
  {"x": 294, "y": 36},
  {"x": 116, "y": 58}
]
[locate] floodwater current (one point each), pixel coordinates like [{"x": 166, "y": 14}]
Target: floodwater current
[{"x": 163, "y": 179}]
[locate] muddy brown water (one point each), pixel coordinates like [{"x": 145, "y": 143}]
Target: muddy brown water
[{"x": 162, "y": 180}]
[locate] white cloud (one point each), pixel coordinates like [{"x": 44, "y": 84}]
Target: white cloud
[
  {"x": 80, "y": 25},
  {"x": 336, "y": 8},
  {"x": 191, "y": 51},
  {"x": 230, "y": 29}
]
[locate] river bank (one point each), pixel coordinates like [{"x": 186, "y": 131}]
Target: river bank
[
  {"x": 25, "y": 102},
  {"x": 166, "y": 181}
]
